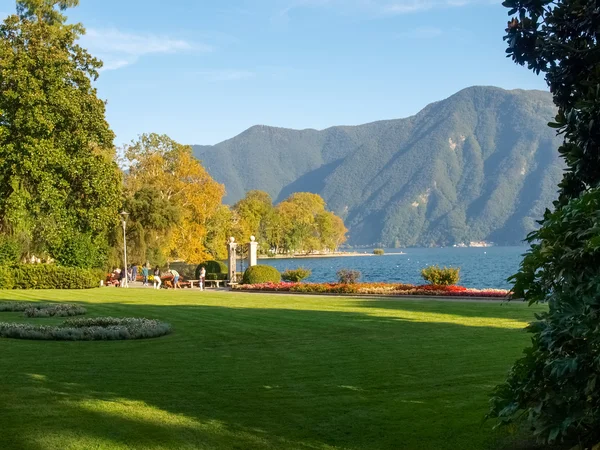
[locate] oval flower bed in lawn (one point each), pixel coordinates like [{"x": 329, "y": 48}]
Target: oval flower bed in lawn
[
  {"x": 93, "y": 329},
  {"x": 375, "y": 289},
  {"x": 43, "y": 309}
]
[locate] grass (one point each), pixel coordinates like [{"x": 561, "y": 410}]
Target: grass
[{"x": 253, "y": 371}]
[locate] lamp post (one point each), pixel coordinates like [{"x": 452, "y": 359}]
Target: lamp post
[{"x": 124, "y": 216}]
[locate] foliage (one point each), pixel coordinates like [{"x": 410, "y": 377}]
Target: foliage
[
  {"x": 296, "y": 275},
  {"x": 48, "y": 276},
  {"x": 54, "y": 310},
  {"x": 379, "y": 251},
  {"x": 554, "y": 384},
  {"x": 186, "y": 271},
  {"x": 95, "y": 329},
  {"x": 217, "y": 267},
  {"x": 10, "y": 250},
  {"x": 422, "y": 181},
  {"x": 185, "y": 200},
  {"x": 58, "y": 174},
  {"x": 437, "y": 275},
  {"x": 563, "y": 359},
  {"x": 81, "y": 251},
  {"x": 348, "y": 276},
  {"x": 261, "y": 274},
  {"x": 216, "y": 276}
]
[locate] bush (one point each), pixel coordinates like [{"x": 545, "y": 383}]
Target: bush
[
  {"x": 379, "y": 251},
  {"x": 261, "y": 274},
  {"x": 296, "y": 275},
  {"x": 212, "y": 267},
  {"x": 10, "y": 251},
  {"x": 80, "y": 251},
  {"x": 436, "y": 275},
  {"x": 347, "y": 276},
  {"x": 47, "y": 276},
  {"x": 216, "y": 276},
  {"x": 94, "y": 329}
]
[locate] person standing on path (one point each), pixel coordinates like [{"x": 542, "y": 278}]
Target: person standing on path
[
  {"x": 145, "y": 273},
  {"x": 157, "y": 278},
  {"x": 134, "y": 271},
  {"x": 202, "y": 278}
]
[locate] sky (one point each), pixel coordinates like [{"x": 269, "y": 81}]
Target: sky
[{"x": 202, "y": 71}]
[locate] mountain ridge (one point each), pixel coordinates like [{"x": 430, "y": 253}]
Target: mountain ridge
[{"x": 479, "y": 165}]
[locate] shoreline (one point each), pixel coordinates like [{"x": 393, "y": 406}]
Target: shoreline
[{"x": 326, "y": 255}]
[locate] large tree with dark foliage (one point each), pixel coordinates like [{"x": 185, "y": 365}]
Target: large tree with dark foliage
[
  {"x": 59, "y": 183},
  {"x": 556, "y": 385}
]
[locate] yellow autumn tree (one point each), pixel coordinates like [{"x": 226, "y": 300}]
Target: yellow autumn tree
[{"x": 160, "y": 165}]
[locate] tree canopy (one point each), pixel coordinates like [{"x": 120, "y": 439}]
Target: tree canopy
[
  {"x": 555, "y": 383},
  {"x": 58, "y": 174}
]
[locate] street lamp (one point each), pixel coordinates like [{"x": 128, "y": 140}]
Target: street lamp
[{"x": 124, "y": 216}]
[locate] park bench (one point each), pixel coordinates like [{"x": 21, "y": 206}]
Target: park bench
[{"x": 215, "y": 283}]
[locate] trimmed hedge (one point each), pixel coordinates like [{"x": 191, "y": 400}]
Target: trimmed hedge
[
  {"x": 211, "y": 267},
  {"x": 216, "y": 276},
  {"x": 48, "y": 276},
  {"x": 94, "y": 329},
  {"x": 261, "y": 274}
]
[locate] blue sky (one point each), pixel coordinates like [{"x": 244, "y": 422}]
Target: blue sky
[{"x": 203, "y": 71}]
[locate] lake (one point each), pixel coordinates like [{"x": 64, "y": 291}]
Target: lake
[{"x": 480, "y": 267}]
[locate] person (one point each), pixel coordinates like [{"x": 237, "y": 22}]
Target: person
[
  {"x": 145, "y": 274},
  {"x": 175, "y": 278},
  {"x": 123, "y": 282},
  {"x": 157, "y": 278},
  {"x": 134, "y": 272},
  {"x": 202, "y": 278}
]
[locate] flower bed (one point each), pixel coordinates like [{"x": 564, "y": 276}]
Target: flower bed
[
  {"x": 43, "y": 309},
  {"x": 375, "y": 289},
  {"x": 94, "y": 329}
]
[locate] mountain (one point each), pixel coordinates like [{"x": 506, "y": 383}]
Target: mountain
[{"x": 479, "y": 165}]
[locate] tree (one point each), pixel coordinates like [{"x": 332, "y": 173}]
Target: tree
[
  {"x": 58, "y": 177},
  {"x": 168, "y": 169},
  {"x": 307, "y": 225},
  {"x": 556, "y": 383},
  {"x": 256, "y": 216}
]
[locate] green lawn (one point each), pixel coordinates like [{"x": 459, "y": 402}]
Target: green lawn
[{"x": 261, "y": 371}]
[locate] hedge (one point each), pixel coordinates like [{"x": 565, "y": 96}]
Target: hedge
[
  {"x": 212, "y": 267},
  {"x": 48, "y": 276},
  {"x": 261, "y": 274}
]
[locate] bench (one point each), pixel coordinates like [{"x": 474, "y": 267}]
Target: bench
[{"x": 217, "y": 283}]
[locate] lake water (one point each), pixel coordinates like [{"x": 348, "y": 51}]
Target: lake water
[{"x": 480, "y": 267}]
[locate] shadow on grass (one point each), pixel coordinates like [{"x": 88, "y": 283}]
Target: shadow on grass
[{"x": 257, "y": 378}]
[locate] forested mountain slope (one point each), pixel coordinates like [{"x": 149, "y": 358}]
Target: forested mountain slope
[{"x": 480, "y": 165}]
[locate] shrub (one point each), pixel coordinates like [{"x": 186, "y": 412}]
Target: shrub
[
  {"x": 379, "y": 251},
  {"x": 261, "y": 274},
  {"x": 48, "y": 276},
  {"x": 216, "y": 276},
  {"x": 10, "y": 251},
  {"x": 80, "y": 251},
  {"x": 445, "y": 276},
  {"x": 212, "y": 267},
  {"x": 94, "y": 329},
  {"x": 296, "y": 275},
  {"x": 348, "y": 276}
]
